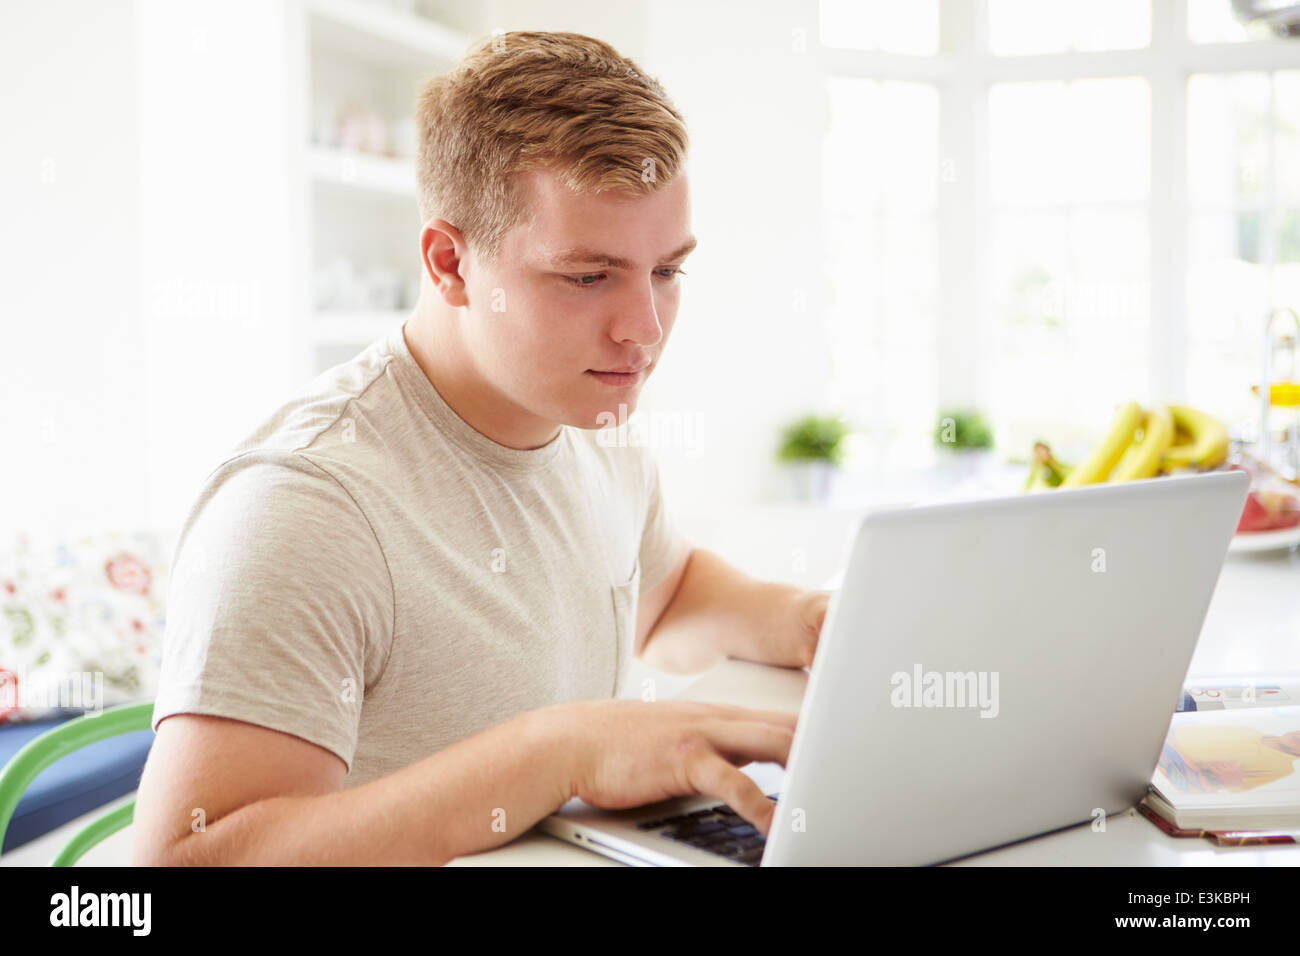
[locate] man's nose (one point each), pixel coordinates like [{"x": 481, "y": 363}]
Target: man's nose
[{"x": 638, "y": 318}]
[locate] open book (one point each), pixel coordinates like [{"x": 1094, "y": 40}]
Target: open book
[{"x": 1231, "y": 761}]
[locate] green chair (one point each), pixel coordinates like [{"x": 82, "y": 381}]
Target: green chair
[{"x": 56, "y": 744}]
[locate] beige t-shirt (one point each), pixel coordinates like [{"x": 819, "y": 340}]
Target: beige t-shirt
[{"x": 369, "y": 573}]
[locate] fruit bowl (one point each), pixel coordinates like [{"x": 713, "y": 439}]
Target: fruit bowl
[
  {"x": 1270, "y": 519},
  {"x": 1171, "y": 441},
  {"x": 1249, "y": 542}
]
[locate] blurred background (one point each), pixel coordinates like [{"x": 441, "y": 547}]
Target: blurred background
[{"x": 1015, "y": 212}]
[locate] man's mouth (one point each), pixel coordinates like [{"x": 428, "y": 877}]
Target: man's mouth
[{"x": 623, "y": 376}]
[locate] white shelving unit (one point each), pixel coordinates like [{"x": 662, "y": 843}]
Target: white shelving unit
[
  {"x": 381, "y": 33},
  {"x": 349, "y": 169},
  {"x": 358, "y": 64}
]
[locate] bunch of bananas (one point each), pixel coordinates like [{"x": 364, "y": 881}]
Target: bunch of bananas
[{"x": 1140, "y": 444}]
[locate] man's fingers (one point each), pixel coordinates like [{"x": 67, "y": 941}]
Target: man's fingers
[
  {"x": 783, "y": 718},
  {"x": 743, "y": 741},
  {"x": 709, "y": 774}
]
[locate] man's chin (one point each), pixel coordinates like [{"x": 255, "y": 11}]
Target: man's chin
[{"x": 610, "y": 414}]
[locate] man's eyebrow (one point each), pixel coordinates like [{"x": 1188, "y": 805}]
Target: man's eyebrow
[{"x": 584, "y": 256}]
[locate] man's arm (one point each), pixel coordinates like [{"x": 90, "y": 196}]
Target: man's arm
[
  {"x": 263, "y": 797},
  {"x": 706, "y": 610},
  {"x": 224, "y": 792}
]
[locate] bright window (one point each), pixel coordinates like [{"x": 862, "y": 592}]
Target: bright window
[
  {"x": 1212, "y": 21},
  {"x": 880, "y": 210},
  {"x": 1069, "y": 169},
  {"x": 1122, "y": 178},
  {"x": 1055, "y": 26},
  {"x": 1243, "y": 132},
  {"x": 881, "y": 25}
]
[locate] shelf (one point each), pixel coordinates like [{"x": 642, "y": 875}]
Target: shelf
[
  {"x": 386, "y": 37},
  {"x": 361, "y": 171},
  {"x": 352, "y": 328},
  {"x": 355, "y": 206}
]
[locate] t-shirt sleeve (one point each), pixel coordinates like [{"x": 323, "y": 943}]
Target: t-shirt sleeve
[
  {"x": 661, "y": 540},
  {"x": 279, "y": 606}
]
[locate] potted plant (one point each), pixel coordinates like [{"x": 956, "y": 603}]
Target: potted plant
[
  {"x": 963, "y": 440},
  {"x": 812, "y": 448}
]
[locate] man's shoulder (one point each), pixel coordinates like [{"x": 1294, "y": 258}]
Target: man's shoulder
[
  {"x": 325, "y": 412},
  {"x": 267, "y": 487},
  {"x": 307, "y": 447}
]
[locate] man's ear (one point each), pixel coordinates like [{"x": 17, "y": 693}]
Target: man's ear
[{"x": 443, "y": 251}]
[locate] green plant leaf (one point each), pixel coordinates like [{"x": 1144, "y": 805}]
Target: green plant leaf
[
  {"x": 814, "y": 438},
  {"x": 962, "y": 429}
]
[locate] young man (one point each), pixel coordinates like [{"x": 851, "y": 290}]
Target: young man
[{"x": 398, "y": 611}]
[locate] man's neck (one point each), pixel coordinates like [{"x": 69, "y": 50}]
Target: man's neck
[{"x": 433, "y": 336}]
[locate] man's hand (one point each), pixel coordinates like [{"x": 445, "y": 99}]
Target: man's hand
[
  {"x": 719, "y": 611},
  {"x": 627, "y": 753},
  {"x": 786, "y": 630},
  {"x": 808, "y": 613}
]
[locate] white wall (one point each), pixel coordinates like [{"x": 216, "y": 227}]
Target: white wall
[
  {"x": 220, "y": 253},
  {"x": 623, "y": 24},
  {"x": 147, "y": 250},
  {"x": 72, "y": 380}
]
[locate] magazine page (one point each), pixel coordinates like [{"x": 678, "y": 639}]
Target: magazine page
[{"x": 1234, "y": 757}]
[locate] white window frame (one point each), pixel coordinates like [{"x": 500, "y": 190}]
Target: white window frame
[{"x": 963, "y": 70}]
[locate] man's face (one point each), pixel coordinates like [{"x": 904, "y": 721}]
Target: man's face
[{"x": 584, "y": 292}]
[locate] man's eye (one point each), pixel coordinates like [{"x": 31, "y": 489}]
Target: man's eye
[{"x": 588, "y": 281}]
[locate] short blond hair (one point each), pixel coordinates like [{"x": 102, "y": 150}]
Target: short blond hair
[{"x": 526, "y": 100}]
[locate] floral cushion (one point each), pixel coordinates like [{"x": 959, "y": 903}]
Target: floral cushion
[{"x": 81, "y": 622}]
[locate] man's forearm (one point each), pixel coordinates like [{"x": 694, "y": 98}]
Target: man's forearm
[
  {"x": 477, "y": 794},
  {"x": 718, "y": 611}
]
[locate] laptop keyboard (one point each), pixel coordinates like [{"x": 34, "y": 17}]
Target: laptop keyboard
[{"x": 717, "y": 829}]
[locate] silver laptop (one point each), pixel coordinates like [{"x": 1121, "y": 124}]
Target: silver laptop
[{"x": 989, "y": 670}]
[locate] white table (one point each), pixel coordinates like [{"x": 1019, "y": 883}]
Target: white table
[{"x": 1252, "y": 626}]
